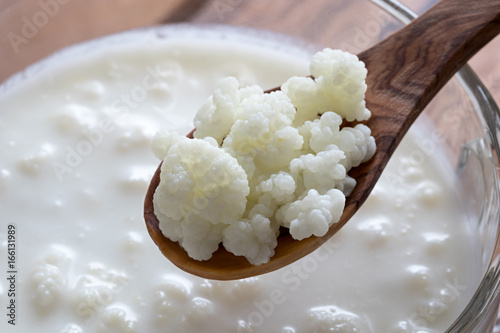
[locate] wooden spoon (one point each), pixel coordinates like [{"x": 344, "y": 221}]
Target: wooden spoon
[{"x": 405, "y": 71}]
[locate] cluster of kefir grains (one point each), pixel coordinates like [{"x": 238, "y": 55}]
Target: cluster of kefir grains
[{"x": 260, "y": 161}]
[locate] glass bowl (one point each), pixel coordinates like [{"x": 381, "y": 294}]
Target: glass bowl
[{"x": 464, "y": 115}]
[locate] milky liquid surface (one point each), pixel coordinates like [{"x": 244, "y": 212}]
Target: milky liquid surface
[{"x": 75, "y": 164}]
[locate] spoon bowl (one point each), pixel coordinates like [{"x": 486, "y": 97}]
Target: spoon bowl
[{"x": 405, "y": 71}]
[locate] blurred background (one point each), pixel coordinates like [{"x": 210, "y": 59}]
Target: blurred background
[{"x": 33, "y": 29}]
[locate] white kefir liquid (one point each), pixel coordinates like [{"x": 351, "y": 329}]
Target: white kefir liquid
[{"x": 75, "y": 162}]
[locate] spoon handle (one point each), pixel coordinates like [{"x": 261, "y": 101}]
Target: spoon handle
[{"x": 406, "y": 70}]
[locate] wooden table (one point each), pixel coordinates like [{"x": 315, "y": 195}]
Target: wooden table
[{"x": 318, "y": 21}]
